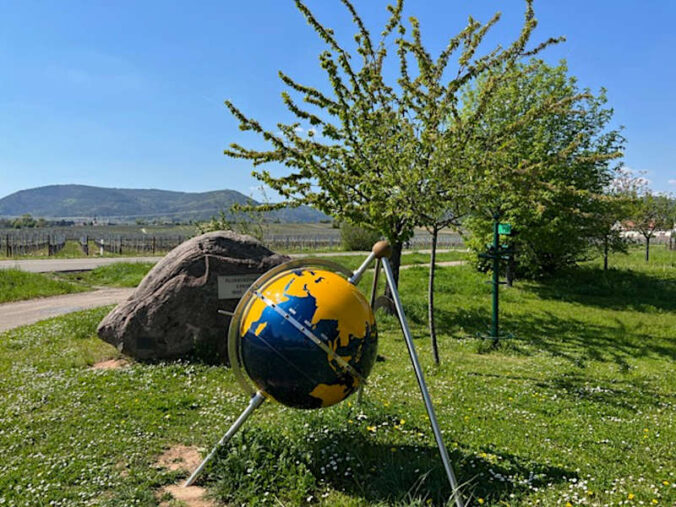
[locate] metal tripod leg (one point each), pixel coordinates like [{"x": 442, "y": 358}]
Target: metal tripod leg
[
  {"x": 421, "y": 382},
  {"x": 255, "y": 402}
]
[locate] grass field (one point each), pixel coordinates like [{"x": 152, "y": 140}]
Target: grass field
[
  {"x": 120, "y": 274},
  {"x": 16, "y": 285},
  {"x": 578, "y": 407}
]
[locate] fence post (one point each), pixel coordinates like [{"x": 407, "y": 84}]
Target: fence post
[{"x": 9, "y": 249}]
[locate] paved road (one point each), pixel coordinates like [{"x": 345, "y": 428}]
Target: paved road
[
  {"x": 21, "y": 313},
  {"x": 88, "y": 263}
]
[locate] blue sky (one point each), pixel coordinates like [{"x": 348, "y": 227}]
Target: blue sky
[{"x": 130, "y": 93}]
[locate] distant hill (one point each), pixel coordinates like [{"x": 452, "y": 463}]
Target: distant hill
[{"x": 126, "y": 204}]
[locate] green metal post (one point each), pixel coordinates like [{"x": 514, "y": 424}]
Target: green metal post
[{"x": 495, "y": 329}]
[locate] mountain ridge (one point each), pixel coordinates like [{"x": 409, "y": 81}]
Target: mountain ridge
[{"x": 72, "y": 201}]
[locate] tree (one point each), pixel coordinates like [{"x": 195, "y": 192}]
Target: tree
[
  {"x": 25, "y": 221},
  {"x": 613, "y": 209},
  {"x": 240, "y": 219},
  {"x": 367, "y": 142},
  {"x": 609, "y": 214},
  {"x": 651, "y": 212},
  {"x": 543, "y": 159}
]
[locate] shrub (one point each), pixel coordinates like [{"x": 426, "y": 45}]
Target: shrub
[{"x": 354, "y": 237}]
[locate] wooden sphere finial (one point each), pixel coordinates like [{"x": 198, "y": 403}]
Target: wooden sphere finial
[{"x": 382, "y": 249}]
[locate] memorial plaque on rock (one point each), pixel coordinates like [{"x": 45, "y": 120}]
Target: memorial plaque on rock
[{"x": 174, "y": 312}]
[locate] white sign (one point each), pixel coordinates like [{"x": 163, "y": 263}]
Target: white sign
[{"x": 234, "y": 286}]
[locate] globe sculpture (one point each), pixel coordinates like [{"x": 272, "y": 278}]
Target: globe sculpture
[{"x": 304, "y": 336}]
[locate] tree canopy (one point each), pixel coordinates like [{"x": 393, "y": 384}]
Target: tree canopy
[
  {"x": 543, "y": 161},
  {"x": 375, "y": 151}
]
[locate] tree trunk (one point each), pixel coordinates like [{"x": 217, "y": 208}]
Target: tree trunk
[
  {"x": 647, "y": 249},
  {"x": 605, "y": 253},
  {"x": 395, "y": 262},
  {"x": 430, "y": 296}
]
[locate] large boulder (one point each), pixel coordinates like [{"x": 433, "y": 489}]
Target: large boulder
[{"x": 174, "y": 312}]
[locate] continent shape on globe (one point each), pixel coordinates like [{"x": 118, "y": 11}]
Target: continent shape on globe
[{"x": 287, "y": 365}]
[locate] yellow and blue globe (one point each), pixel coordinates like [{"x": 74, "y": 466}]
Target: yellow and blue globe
[{"x": 284, "y": 325}]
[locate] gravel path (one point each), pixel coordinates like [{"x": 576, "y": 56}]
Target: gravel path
[{"x": 21, "y": 313}]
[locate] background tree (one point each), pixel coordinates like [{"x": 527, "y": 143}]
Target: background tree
[
  {"x": 609, "y": 214},
  {"x": 613, "y": 209},
  {"x": 356, "y": 237},
  {"x": 242, "y": 219},
  {"x": 543, "y": 159},
  {"x": 651, "y": 212},
  {"x": 367, "y": 140},
  {"x": 25, "y": 221}
]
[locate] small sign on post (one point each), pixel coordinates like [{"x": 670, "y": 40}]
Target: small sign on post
[{"x": 505, "y": 229}]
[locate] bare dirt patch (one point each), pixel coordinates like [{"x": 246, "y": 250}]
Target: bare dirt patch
[
  {"x": 179, "y": 457},
  {"x": 192, "y": 496},
  {"x": 110, "y": 364},
  {"x": 184, "y": 458}
]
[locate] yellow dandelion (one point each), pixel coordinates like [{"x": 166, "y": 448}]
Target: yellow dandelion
[
  {"x": 666, "y": 483},
  {"x": 654, "y": 501},
  {"x": 483, "y": 455},
  {"x": 590, "y": 492},
  {"x": 480, "y": 500},
  {"x": 350, "y": 421},
  {"x": 402, "y": 421},
  {"x": 371, "y": 428},
  {"x": 568, "y": 504},
  {"x": 631, "y": 496}
]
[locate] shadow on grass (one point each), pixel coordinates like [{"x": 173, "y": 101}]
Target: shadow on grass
[
  {"x": 616, "y": 289},
  {"x": 581, "y": 341},
  {"x": 578, "y": 341},
  {"x": 347, "y": 460}
]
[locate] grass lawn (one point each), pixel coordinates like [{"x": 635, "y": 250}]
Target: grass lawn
[
  {"x": 120, "y": 274},
  {"x": 354, "y": 261},
  {"x": 16, "y": 285},
  {"x": 577, "y": 408}
]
